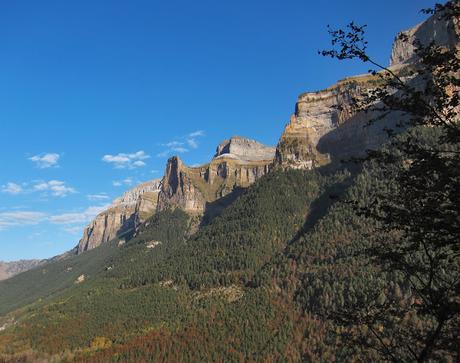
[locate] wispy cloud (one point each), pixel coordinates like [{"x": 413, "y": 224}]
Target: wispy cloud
[
  {"x": 43, "y": 161},
  {"x": 124, "y": 182},
  {"x": 163, "y": 154},
  {"x": 78, "y": 217},
  {"x": 196, "y": 133},
  {"x": 20, "y": 218},
  {"x": 192, "y": 143},
  {"x": 55, "y": 187},
  {"x": 192, "y": 138},
  {"x": 172, "y": 144},
  {"x": 182, "y": 144},
  {"x": 73, "y": 229},
  {"x": 11, "y": 188},
  {"x": 126, "y": 161},
  {"x": 68, "y": 220},
  {"x": 95, "y": 197},
  {"x": 179, "y": 149}
]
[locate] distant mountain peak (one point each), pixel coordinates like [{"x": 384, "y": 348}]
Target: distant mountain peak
[
  {"x": 9, "y": 269},
  {"x": 245, "y": 149},
  {"x": 131, "y": 196}
]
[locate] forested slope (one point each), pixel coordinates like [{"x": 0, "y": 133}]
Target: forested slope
[{"x": 164, "y": 281}]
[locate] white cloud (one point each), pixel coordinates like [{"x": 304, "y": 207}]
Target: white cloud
[
  {"x": 119, "y": 183},
  {"x": 163, "y": 154},
  {"x": 182, "y": 144},
  {"x": 192, "y": 143},
  {"x": 43, "y": 161},
  {"x": 56, "y": 187},
  {"x": 100, "y": 196},
  {"x": 68, "y": 220},
  {"x": 20, "y": 218},
  {"x": 192, "y": 138},
  {"x": 172, "y": 150},
  {"x": 173, "y": 144},
  {"x": 179, "y": 149},
  {"x": 73, "y": 229},
  {"x": 78, "y": 217},
  {"x": 11, "y": 188},
  {"x": 126, "y": 161},
  {"x": 138, "y": 163},
  {"x": 196, "y": 133}
]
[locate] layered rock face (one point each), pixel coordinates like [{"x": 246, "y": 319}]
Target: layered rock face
[
  {"x": 245, "y": 149},
  {"x": 442, "y": 32},
  {"x": 326, "y": 128},
  {"x": 238, "y": 162},
  {"x": 178, "y": 188},
  {"x": 9, "y": 269},
  {"x": 132, "y": 208}
]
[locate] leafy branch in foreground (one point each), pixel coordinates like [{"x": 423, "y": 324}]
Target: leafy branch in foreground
[{"x": 419, "y": 214}]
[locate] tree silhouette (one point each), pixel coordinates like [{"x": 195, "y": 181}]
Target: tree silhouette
[{"x": 419, "y": 213}]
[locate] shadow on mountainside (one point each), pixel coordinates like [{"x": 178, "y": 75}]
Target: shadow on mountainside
[
  {"x": 321, "y": 205},
  {"x": 214, "y": 209},
  {"x": 355, "y": 136}
]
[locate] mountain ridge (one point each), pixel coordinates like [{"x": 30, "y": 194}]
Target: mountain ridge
[
  {"x": 323, "y": 129},
  {"x": 12, "y": 268},
  {"x": 255, "y": 283},
  {"x": 238, "y": 162}
]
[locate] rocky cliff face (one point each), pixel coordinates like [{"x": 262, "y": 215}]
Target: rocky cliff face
[
  {"x": 9, "y": 269},
  {"x": 238, "y": 162},
  {"x": 325, "y": 127},
  {"x": 434, "y": 29},
  {"x": 178, "y": 188},
  {"x": 245, "y": 149},
  {"x": 132, "y": 208}
]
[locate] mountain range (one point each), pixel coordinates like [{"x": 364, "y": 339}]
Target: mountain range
[
  {"x": 319, "y": 132},
  {"x": 248, "y": 242}
]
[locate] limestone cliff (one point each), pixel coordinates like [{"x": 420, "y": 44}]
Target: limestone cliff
[
  {"x": 238, "y": 162},
  {"x": 125, "y": 213},
  {"x": 326, "y": 128},
  {"x": 9, "y": 269},
  {"x": 245, "y": 149},
  {"x": 434, "y": 29}
]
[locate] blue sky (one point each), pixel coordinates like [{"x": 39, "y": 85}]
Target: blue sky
[{"x": 95, "y": 95}]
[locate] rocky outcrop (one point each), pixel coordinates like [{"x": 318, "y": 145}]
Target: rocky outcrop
[
  {"x": 122, "y": 217},
  {"x": 179, "y": 189},
  {"x": 146, "y": 205},
  {"x": 245, "y": 149},
  {"x": 434, "y": 29},
  {"x": 238, "y": 162},
  {"x": 9, "y": 269},
  {"x": 325, "y": 126}
]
